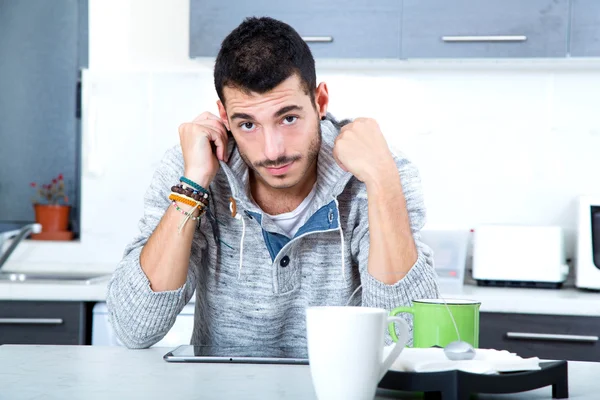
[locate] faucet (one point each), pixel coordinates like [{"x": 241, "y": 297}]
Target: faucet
[{"x": 17, "y": 235}]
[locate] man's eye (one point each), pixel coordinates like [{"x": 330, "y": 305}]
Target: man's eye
[
  {"x": 247, "y": 126},
  {"x": 290, "y": 119}
]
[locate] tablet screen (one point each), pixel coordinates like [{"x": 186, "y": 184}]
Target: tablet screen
[{"x": 249, "y": 354}]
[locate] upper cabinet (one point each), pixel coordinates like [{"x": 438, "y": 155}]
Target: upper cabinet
[
  {"x": 484, "y": 28},
  {"x": 333, "y": 28},
  {"x": 413, "y": 29},
  {"x": 585, "y": 28}
]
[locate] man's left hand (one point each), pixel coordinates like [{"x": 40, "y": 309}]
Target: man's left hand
[{"x": 362, "y": 150}]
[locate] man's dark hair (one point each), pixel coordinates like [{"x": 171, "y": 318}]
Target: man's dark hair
[{"x": 260, "y": 54}]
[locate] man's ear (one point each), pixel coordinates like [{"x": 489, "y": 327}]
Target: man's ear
[
  {"x": 322, "y": 99},
  {"x": 223, "y": 114}
]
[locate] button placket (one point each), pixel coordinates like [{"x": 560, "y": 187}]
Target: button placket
[{"x": 286, "y": 272}]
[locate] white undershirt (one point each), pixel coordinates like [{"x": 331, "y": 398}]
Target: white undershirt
[{"x": 291, "y": 221}]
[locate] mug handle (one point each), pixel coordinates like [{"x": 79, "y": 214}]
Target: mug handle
[
  {"x": 393, "y": 313},
  {"x": 398, "y": 347}
]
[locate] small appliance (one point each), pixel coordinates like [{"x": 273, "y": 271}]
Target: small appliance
[
  {"x": 519, "y": 256},
  {"x": 449, "y": 248},
  {"x": 587, "y": 255}
]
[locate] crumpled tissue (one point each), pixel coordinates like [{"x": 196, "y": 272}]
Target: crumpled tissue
[{"x": 486, "y": 361}]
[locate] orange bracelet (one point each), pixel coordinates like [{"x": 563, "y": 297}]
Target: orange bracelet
[{"x": 186, "y": 200}]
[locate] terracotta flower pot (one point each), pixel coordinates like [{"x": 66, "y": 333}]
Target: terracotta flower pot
[{"x": 54, "y": 218}]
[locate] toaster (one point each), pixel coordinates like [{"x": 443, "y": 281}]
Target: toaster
[{"x": 519, "y": 256}]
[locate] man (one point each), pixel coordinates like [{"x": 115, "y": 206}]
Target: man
[{"x": 301, "y": 211}]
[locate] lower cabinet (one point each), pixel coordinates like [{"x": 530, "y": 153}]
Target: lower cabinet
[
  {"x": 554, "y": 337},
  {"x": 45, "y": 322}
]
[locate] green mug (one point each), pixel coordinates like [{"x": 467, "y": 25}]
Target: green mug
[{"x": 433, "y": 326}]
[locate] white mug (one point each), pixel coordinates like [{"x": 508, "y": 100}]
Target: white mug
[{"x": 345, "y": 350}]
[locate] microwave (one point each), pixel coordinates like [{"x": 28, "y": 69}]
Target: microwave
[{"x": 587, "y": 260}]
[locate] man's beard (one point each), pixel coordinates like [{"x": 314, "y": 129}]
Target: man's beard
[{"x": 311, "y": 157}]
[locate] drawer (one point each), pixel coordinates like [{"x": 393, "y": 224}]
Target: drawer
[
  {"x": 33, "y": 322},
  {"x": 484, "y": 28},
  {"x": 545, "y": 336},
  {"x": 333, "y": 29}
]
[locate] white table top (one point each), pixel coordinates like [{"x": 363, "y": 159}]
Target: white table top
[{"x": 95, "y": 372}]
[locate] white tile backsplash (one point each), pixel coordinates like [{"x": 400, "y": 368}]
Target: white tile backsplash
[{"x": 508, "y": 145}]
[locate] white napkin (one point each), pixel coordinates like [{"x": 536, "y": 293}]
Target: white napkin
[{"x": 486, "y": 361}]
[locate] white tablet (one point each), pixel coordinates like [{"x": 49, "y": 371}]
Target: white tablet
[{"x": 237, "y": 354}]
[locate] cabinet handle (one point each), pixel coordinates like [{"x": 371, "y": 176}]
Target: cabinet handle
[
  {"x": 496, "y": 38},
  {"x": 318, "y": 39},
  {"x": 553, "y": 337},
  {"x": 31, "y": 321}
]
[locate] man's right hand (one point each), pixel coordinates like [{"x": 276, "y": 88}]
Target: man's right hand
[{"x": 201, "y": 163}]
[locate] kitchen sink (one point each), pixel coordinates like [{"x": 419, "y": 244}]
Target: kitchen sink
[{"x": 49, "y": 277}]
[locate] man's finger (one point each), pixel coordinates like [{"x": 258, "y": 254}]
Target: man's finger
[
  {"x": 218, "y": 127},
  {"x": 337, "y": 160},
  {"x": 215, "y": 124},
  {"x": 206, "y": 116},
  {"x": 215, "y": 136}
]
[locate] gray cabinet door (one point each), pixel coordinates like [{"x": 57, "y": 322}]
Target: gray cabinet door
[
  {"x": 45, "y": 322},
  {"x": 555, "y": 337},
  {"x": 42, "y": 45},
  {"x": 484, "y": 28},
  {"x": 333, "y": 29},
  {"x": 585, "y": 28}
]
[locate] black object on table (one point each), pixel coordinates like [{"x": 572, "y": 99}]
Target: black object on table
[{"x": 459, "y": 385}]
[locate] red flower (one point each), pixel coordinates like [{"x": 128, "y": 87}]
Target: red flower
[
  {"x": 60, "y": 177},
  {"x": 54, "y": 181},
  {"x": 32, "y": 184}
]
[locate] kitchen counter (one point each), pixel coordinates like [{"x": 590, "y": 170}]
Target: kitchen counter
[
  {"x": 566, "y": 301},
  {"x": 53, "y": 291},
  {"x": 56, "y": 291},
  {"x": 96, "y": 372}
]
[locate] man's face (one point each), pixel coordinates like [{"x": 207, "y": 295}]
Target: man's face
[{"x": 277, "y": 133}]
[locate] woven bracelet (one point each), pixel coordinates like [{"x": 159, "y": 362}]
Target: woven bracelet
[
  {"x": 193, "y": 184},
  {"x": 186, "y": 200}
]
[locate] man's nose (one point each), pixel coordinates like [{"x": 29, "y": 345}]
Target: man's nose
[{"x": 274, "y": 147}]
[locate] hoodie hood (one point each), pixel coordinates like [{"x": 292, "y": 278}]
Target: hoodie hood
[{"x": 331, "y": 178}]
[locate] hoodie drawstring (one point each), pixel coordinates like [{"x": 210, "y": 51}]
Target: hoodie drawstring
[
  {"x": 236, "y": 215},
  {"x": 343, "y": 251},
  {"x": 342, "y": 245}
]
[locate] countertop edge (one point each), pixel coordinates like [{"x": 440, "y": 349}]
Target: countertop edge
[{"x": 565, "y": 301}]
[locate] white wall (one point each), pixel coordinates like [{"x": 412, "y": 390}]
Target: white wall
[
  {"x": 511, "y": 142},
  {"x": 133, "y": 34}
]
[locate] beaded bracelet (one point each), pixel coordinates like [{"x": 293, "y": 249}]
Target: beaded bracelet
[
  {"x": 191, "y": 189},
  {"x": 193, "y": 184},
  {"x": 190, "y": 193},
  {"x": 187, "y": 214}
]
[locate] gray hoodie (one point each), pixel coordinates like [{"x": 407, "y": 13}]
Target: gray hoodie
[{"x": 251, "y": 282}]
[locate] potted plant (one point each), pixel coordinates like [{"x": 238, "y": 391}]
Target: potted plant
[{"x": 52, "y": 210}]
